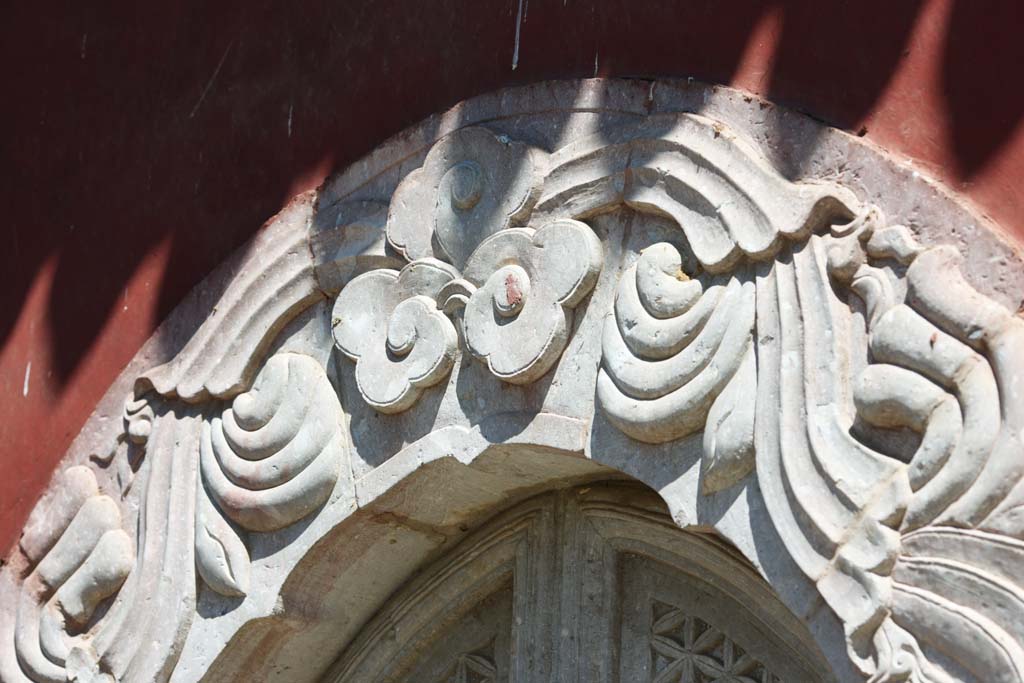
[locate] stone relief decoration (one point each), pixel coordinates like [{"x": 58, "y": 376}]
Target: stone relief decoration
[
  {"x": 684, "y": 649},
  {"x": 80, "y": 556},
  {"x": 388, "y": 322},
  {"x": 825, "y": 357},
  {"x": 919, "y": 550},
  {"x": 515, "y": 287},
  {"x": 269, "y": 460},
  {"x": 754, "y": 347}
]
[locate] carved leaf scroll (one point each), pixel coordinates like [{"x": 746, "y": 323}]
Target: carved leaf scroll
[
  {"x": 679, "y": 352},
  {"x": 686, "y": 350},
  {"x": 887, "y": 554},
  {"x": 270, "y": 284},
  {"x": 728, "y": 201}
]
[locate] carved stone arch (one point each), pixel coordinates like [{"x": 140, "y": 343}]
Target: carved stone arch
[
  {"x": 605, "y": 562},
  {"x": 764, "y": 320}
]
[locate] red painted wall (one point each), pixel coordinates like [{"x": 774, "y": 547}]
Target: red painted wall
[{"x": 147, "y": 141}]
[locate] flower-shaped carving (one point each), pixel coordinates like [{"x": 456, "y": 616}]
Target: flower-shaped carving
[
  {"x": 519, "y": 289},
  {"x": 388, "y": 322},
  {"x": 452, "y": 218},
  {"x": 472, "y": 184}
]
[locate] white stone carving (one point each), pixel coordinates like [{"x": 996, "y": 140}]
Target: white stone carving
[
  {"x": 81, "y": 556},
  {"x": 572, "y": 280},
  {"x": 266, "y": 462},
  {"x": 519, "y": 289},
  {"x": 267, "y": 290},
  {"x": 674, "y": 346},
  {"x": 941, "y": 366},
  {"x": 388, "y": 322},
  {"x": 728, "y": 202},
  {"x": 472, "y": 184},
  {"x": 518, "y": 285}
]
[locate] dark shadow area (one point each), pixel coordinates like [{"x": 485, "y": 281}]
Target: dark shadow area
[
  {"x": 984, "y": 55},
  {"x": 835, "y": 58},
  {"x": 134, "y": 128}
]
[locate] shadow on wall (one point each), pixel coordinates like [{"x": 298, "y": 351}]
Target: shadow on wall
[{"x": 185, "y": 125}]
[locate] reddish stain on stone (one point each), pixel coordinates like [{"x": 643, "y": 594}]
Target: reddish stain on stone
[{"x": 513, "y": 294}]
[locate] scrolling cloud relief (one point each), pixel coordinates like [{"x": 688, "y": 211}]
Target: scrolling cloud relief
[{"x": 830, "y": 361}]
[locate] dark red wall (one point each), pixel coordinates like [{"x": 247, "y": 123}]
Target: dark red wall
[{"x": 146, "y": 141}]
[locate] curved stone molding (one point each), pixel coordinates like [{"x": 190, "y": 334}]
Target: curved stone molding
[{"x": 800, "y": 345}]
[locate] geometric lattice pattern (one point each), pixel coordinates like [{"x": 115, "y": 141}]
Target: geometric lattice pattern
[
  {"x": 685, "y": 649},
  {"x": 472, "y": 668}
]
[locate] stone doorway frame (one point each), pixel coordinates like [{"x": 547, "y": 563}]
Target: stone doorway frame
[
  {"x": 763, "y": 319},
  {"x": 551, "y": 559}
]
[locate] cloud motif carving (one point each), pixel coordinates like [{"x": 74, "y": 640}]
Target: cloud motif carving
[
  {"x": 454, "y": 219},
  {"x": 388, "y": 322},
  {"x": 523, "y": 285},
  {"x": 472, "y": 184},
  {"x": 268, "y": 461},
  {"x": 678, "y": 358}
]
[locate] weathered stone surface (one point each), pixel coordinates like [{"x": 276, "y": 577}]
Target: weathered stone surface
[{"x": 798, "y": 344}]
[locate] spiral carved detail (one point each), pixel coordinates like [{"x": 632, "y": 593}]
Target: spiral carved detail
[
  {"x": 275, "y": 455},
  {"x": 673, "y": 354}
]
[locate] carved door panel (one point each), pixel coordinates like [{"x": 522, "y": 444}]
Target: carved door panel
[
  {"x": 475, "y": 649},
  {"x": 592, "y": 585}
]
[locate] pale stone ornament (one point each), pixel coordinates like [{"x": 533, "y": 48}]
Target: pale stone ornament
[
  {"x": 266, "y": 462},
  {"x": 521, "y": 288},
  {"x": 390, "y": 325},
  {"x": 518, "y": 285},
  {"x": 83, "y": 556},
  {"x": 472, "y": 184},
  {"x": 395, "y": 446}
]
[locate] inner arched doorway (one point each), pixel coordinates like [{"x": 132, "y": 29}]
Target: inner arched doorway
[{"x": 593, "y": 583}]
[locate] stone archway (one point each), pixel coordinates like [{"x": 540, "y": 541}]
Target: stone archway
[
  {"x": 763, "y": 320},
  {"x": 587, "y": 584}
]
